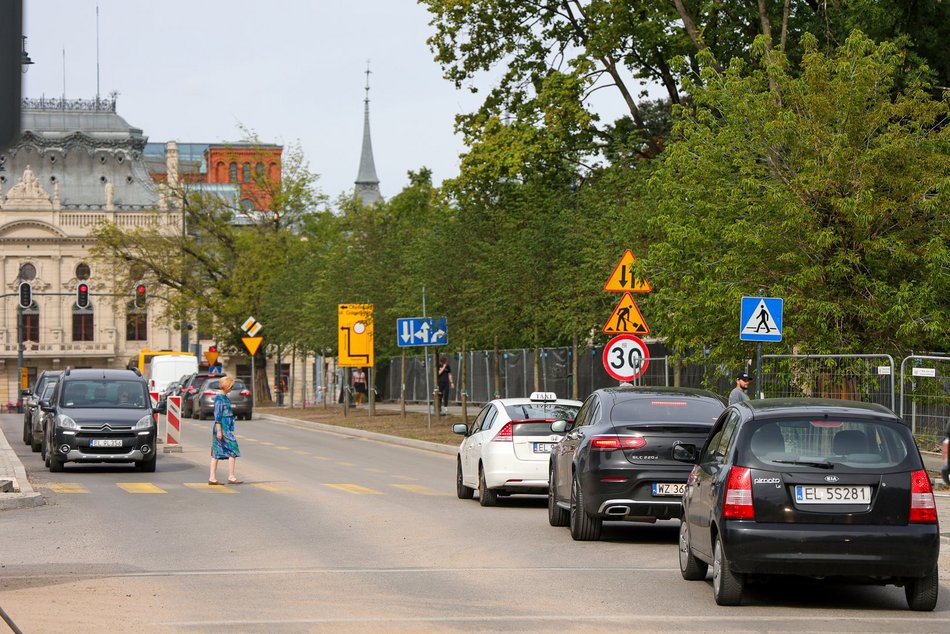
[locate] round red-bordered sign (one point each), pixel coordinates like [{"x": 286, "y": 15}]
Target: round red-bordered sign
[{"x": 626, "y": 357}]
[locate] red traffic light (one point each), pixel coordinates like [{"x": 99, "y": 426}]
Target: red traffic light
[
  {"x": 212, "y": 348},
  {"x": 141, "y": 295},
  {"x": 82, "y": 295}
]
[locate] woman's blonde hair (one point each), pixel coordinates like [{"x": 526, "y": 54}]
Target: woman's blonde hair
[{"x": 226, "y": 383}]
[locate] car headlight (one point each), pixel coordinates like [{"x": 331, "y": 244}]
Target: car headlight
[
  {"x": 66, "y": 422},
  {"x": 145, "y": 422}
]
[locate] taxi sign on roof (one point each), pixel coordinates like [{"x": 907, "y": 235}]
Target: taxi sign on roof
[
  {"x": 543, "y": 396},
  {"x": 623, "y": 280}
]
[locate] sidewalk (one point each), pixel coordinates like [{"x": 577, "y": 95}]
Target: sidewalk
[{"x": 15, "y": 489}]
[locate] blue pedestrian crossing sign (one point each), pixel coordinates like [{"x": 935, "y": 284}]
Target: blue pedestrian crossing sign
[
  {"x": 761, "y": 319},
  {"x": 422, "y": 331}
]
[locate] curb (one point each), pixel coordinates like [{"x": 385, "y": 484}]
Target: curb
[
  {"x": 369, "y": 435},
  {"x": 23, "y": 495}
]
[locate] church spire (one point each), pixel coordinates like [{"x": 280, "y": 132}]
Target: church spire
[{"x": 367, "y": 183}]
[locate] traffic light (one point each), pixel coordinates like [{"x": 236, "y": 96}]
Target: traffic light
[
  {"x": 141, "y": 295},
  {"x": 26, "y": 294},
  {"x": 82, "y": 295}
]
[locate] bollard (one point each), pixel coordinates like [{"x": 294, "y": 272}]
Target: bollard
[
  {"x": 173, "y": 425},
  {"x": 153, "y": 396}
]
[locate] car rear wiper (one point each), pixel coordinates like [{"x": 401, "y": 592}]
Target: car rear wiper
[{"x": 807, "y": 463}]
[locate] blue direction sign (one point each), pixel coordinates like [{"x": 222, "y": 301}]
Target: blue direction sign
[
  {"x": 422, "y": 331},
  {"x": 761, "y": 319}
]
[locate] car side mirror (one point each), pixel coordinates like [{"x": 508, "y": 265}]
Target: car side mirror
[
  {"x": 560, "y": 426},
  {"x": 161, "y": 407},
  {"x": 684, "y": 452},
  {"x": 26, "y": 392},
  {"x": 460, "y": 428},
  {"x": 45, "y": 405}
]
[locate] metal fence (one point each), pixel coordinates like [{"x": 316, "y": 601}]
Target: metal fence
[
  {"x": 925, "y": 398},
  {"x": 856, "y": 377}
]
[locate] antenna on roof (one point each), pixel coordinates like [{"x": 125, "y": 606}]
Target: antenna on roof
[{"x": 97, "y": 56}]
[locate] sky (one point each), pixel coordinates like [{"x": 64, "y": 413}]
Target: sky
[{"x": 290, "y": 71}]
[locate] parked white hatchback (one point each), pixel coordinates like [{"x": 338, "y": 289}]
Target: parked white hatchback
[{"x": 507, "y": 448}]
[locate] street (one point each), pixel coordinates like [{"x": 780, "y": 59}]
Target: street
[{"x": 335, "y": 532}]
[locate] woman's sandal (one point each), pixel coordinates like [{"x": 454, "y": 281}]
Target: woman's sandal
[
  {"x": 235, "y": 481},
  {"x": 214, "y": 483}
]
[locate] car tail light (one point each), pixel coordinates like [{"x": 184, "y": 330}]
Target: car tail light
[
  {"x": 693, "y": 475},
  {"x": 245, "y": 392},
  {"x": 738, "y": 502},
  {"x": 923, "y": 507},
  {"x": 611, "y": 443},
  {"x": 505, "y": 434},
  {"x": 209, "y": 393}
]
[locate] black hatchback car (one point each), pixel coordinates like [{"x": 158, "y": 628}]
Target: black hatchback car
[
  {"x": 814, "y": 488},
  {"x": 627, "y": 456},
  {"x": 99, "y": 416}
]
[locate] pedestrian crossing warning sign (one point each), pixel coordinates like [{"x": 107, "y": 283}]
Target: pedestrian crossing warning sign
[
  {"x": 626, "y": 318},
  {"x": 622, "y": 279},
  {"x": 761, "y": 319}
]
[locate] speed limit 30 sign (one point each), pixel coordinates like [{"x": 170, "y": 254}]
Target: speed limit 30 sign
[{"x": 626, "y": 357}]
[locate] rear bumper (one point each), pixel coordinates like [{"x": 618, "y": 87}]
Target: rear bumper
[
  {"x": 831, "y": 550},
  {"x": 633, "y": 498},
  {"x": 510, "y": 474}
]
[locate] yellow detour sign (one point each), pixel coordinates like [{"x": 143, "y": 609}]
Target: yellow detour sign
[
  {"x": 252, "y": 344},
  {"x": 622, "y": 279},
  {"x": 626, "y": 318},
  {"x": 24, "y": 378},
  {"x": 355, "y": 335}
]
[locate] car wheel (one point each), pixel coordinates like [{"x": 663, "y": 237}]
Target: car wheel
[
  {"x": 584, "y": 528},
  {"x": 691, "y": 568},
  {"x": 727, "y": 585},
  {"x": 556, "y": 515},
  {"x": 47, "y": 447},
  {"x": 148, "y": 465},
  {"x": 463, "y": 492},
  {"x": 55, "y": 463},
  {"x": 36, "y": 442},
  {"x": 486, "y": 497},
  {"x": 27, "y": 433},
  {"x": 922, "y": 593}
]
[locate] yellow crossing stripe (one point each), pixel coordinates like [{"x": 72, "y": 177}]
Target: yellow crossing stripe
[
  {"x": 402, "y": 477},
  {"x": 204, "y": 486},
  {"x": 418, "y": 488},
  {"x": 276, "y": 487},
  {"x": 355, "y": 488},
  {"x": 67, "y": 487},
  {"x": 139, "y": 487}
]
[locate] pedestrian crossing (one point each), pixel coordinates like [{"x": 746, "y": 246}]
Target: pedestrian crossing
[{"x": 149, "y": 488}]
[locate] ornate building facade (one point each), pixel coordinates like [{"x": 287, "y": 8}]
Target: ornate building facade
[{"x": 76, "y": 164}]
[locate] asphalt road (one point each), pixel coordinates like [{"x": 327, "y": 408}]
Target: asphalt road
[{"x": 331, "y": 532}]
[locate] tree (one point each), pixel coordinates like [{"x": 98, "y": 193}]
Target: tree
[{"x": 834, "y": 198}]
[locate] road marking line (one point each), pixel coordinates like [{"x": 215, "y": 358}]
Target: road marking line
[
  {"x": 139, "y": 487},
  {"x": 322, "y": 458},
  {"x": 346, "y": 464},
  {"x": 374, "y": 470},
  {"x": 355, "y": 488},
  {"x": 67, "y": 487},
  {"x": 278, "y": 487},
  {"x": 269, "y": 444},
  {"x": 301, "y": 453},
  {"x": 204, "y": 486},
  {"x": 282, "y": 448},
  {"x": 418, "y": 488},
  {"x": 402, "y": 477},
  {"x": 248, "y": 438}
]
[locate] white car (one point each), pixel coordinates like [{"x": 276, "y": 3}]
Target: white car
[{"x": 507, "y": 448}]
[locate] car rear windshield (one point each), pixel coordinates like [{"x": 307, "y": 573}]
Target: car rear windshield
[
  {"x": 666, "y": 409},
  {"x": 824, "y": 443},
  {"x": 100, "y": 393},
  {"x": 542, "y": 411}
]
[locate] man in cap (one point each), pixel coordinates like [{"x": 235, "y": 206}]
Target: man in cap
[{"x": 738, "y": 393}]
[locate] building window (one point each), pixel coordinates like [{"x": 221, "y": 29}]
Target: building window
[
  {"x": 246, "y": 173},
  {"x": 259, "y": 170},
  {"x": 82, "y": 272},
  {"x": 247, "y": 205},
  {"x": 27, "y": 272},
  {"x": 233, "y": 174},
  {"x": 31, "y": 323},
  {"x": 83, "y": 324},
  {"x": 136, "y": 323},
  {"x": 220, "y": 172}
]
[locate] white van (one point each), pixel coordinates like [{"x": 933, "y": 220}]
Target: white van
[{"x": 165, "y": 368}]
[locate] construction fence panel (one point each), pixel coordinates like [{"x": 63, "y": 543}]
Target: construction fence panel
[
  {"x": 925, "y": 398},
  {"x": 868, "y": 378}
]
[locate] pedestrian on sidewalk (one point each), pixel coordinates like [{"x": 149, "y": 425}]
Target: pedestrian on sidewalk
[
  {"x": 445, "y": 382},
  {"x": 738, "y": 393},
  {"x": 223, "y": 443},
  {"x": 359, "y": 385}
]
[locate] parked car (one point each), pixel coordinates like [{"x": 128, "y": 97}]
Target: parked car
[
  {"x": 32, "y": 416},
  {"x": 171, "y": 388},
  {"x": 507, "y": 448},
  {"x": 100, "y": 416},
  {"x": 627, "y": 456},
  {"x": 190, "y": 388},
  {"x": 813, "y": 488},
  {"x": 242, "y": 403}
]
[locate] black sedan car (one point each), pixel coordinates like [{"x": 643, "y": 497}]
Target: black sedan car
[
  {"x": 627, "y": 456},
  {"x": 813, "y": 488}
]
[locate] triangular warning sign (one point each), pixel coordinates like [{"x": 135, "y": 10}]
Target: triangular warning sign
[
  {"x": 626, "y": 318},
  {"x": 622, "y": 279},
  {"x": 252, "y": 344},
  {"x": 761, "y": 322}
]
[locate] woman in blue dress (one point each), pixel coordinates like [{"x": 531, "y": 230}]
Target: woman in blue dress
[{"x": 223, "y": 442}]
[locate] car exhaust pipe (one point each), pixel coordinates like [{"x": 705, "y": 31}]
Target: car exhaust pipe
[{"x": 619, "y": 510}]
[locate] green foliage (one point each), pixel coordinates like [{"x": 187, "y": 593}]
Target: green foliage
[{"x": 833, "y": 197}]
